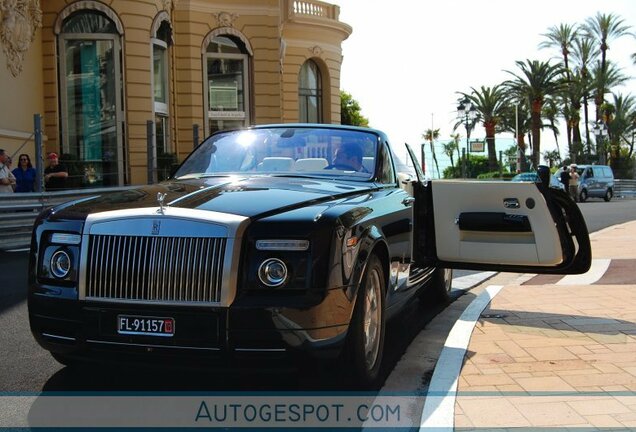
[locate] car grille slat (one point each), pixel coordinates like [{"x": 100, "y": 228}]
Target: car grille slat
[{"x": 155, "y": 269}]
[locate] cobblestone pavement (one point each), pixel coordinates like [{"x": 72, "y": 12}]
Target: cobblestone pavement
[{"x": 557, "y": 351}]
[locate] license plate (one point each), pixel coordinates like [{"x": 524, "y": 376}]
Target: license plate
[{"x": 145, "y": 326}]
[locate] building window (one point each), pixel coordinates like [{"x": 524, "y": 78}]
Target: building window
[
  {"x": 226, "y": 85},
  {"x": 91, "y": 99},
  {"x": 310, "y": 93},
  {"x": 161, "y": 41}
]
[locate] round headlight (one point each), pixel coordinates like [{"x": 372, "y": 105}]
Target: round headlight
[
  {"x": 272, "y": 272},
  {"x": 60, "y": 264}
]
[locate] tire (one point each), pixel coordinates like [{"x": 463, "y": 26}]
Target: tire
[
  {"x": 438, "y": 287},
  {"x": 583, "y": 196},
  {"x": 365, "y": 340},
  {"x": 441, "y": 284},
  {"x": 608, "y": 195}
]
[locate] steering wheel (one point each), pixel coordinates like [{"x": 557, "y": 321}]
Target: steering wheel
[{"x": 342, "y": 167}]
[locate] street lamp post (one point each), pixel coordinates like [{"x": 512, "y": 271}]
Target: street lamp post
[
  {"x": 467, "y": 113},
  {"x": 600, "y": 131}
]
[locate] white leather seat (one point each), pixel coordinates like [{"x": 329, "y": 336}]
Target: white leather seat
[
  {"x": 310, "y": 164},
  {"x": 276, "y": 164}
]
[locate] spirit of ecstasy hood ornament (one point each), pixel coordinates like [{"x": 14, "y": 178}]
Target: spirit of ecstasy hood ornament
[{"x": 160, "y": 198}]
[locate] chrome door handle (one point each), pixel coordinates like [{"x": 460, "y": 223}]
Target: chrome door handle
[{"x": 408, "y": 201}]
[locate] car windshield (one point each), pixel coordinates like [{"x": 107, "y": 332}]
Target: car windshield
[{"x": 285, "y": 151}]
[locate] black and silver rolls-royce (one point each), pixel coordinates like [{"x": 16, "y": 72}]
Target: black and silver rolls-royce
[{"x": 279, "y": 242}]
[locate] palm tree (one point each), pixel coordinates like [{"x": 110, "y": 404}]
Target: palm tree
[
  {"x": 519, "y": 127},
  {"x": 562, "y": 37},
  {"x": 451, "y": 147},
  {"x": 537, "y": 81},
  {"x": 602, "y": 28},
  {"x": 489, "y": 103},
  {"x": 550, "y": 113},
  {"x": 584, "y": 56},
  {"x": 621, "y": 124},
  {"x": 431, "y": 135},
  {"x": 603, "y": 79}
]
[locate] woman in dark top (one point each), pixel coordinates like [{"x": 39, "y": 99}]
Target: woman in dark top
[{"x": 24, "y": 175}]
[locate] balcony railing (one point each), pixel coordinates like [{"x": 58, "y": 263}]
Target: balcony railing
[{"x": 312, "y": 8}]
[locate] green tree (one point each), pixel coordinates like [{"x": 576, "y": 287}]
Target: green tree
[
  {"x": 431, "y": 135},
  {"x": 490, "y": 102},
  {"x": 621, "y": 124},
  {"x": 350, "y": 111},
  {"x": 509, "y": 124},
  {"x": 563, "y": 38},
  {"x": 553, "y": 157},
  {"x": 602, "y": 28},
  {"x": 451, "y": 147},
  {"x": 537, "y": 81},
  {"x": 603, "y": 79},
  {"x": 584, "y": 56}
]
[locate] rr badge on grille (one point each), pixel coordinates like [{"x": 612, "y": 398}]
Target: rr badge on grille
[{"x": 156, "y": 227}]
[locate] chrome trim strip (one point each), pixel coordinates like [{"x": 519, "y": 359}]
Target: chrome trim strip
[
  {"x": 152, "y": 346},
  {"x": 260, "y": 349},
  {"x": 152, "y": 302},
  {"x": 72, "y": 339}
]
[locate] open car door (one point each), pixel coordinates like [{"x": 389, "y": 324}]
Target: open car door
[{"x": 498, "y": 225}]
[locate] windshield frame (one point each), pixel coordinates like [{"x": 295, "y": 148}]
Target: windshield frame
[{"x": 284, "y": 145}]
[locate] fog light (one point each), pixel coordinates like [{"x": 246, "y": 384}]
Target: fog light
[
  {"x": 272, "y": 272},
  {"x": 60, "y": 264}
]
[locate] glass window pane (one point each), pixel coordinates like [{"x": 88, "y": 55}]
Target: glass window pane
[
  {"x": 309, "y": 93},
  {"x": 224, "y": 45},
  {"x": 159, "y": 73},
  {"x": 88, "y": 22},
  {"x": 218, "y": 125},
  {"x": 225, "y": 84},
  {"x": 91, "y": 109}
]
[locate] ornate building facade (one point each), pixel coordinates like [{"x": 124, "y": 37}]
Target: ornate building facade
[{"x": 106, "y": 75}]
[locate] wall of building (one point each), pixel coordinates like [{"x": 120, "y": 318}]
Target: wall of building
[
  {"x": 282, "y": 35},
  {"x": 21, "y": 99}
]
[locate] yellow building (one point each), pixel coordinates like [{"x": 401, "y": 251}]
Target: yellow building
[{"x": 104, "y": 74}]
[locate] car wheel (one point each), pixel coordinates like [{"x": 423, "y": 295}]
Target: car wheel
[
  {"x": 365, "y": 343},
  {"x": 608, "y": 195},
  {"x": 438, "y": 288},
  {"x": 583, "y": 196}
]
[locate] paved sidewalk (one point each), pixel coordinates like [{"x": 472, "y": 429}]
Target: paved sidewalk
[{"x": 557, "y": 352}]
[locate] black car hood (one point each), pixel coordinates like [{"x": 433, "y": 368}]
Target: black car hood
[{"x": 250, "y": 196}]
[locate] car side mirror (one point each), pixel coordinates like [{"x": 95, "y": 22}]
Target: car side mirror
[{"x": 544, "y": 175}]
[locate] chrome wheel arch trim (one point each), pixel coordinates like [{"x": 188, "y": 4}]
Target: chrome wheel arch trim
[{"x": 230, "y": 225}]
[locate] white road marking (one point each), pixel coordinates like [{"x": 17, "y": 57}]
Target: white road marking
[
  {"x": 439, "y": 406},
  {"x": 596, "y": 271},
  {"x": 19, "y": 250},
  {"x": 465, "y": 282}
]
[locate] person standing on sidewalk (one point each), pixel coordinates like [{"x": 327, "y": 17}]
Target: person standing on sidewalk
[
  {"x": 7, "y": 179},
  {"x": 55, "y": 174},
  {"x": 24, "y": 174},
  {"x": 574, "y": 183},
  {"x": 565, "y": 177}
]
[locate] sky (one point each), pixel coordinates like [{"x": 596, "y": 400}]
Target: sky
[{"x": 406, "y": 59}]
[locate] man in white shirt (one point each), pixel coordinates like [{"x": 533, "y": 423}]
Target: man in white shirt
[{"x": 7, "y": 179}]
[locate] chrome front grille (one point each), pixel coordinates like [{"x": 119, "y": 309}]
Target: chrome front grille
[{"x": 155, "y": 269}]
